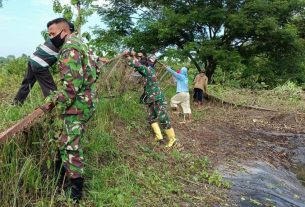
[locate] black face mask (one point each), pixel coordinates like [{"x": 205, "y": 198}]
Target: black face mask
[
  {"x": 143, "y": 61},
  {"x": 57, "y": 41}
]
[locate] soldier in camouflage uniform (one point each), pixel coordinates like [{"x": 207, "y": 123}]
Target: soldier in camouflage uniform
[
  {"x": 154, "y": 99},
  {"x": 75, "y": 101}
]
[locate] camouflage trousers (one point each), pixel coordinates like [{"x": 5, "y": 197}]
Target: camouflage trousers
[
  {"x": 158, "y": 110},
  {"x": 70, "y": 149}
]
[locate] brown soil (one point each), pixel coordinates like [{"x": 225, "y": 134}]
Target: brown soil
[
  {"x": 226, "y": 133},
  {"x": 227, "y": 136}
]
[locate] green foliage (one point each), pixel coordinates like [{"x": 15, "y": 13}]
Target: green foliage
[
  {"x": 228, "y": 78},
  {"x": 199, "y": 171},
  {"x": 24, "y": 158},
  {"x": 13, "y": 65},
  {"x": 84, "y": 9},
  {"x": 287, "y": 97},
  {"x": 261, "y": 41},
  {"x": 12, "y": 71},
  {"x": 117, "y": 170},
  {"x": 289, "y": 91}
]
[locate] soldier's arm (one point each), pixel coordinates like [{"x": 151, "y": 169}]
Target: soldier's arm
[
  {"x": 70, "y": 65},
  {"x": 138, "y": 67},
  {"x": 99, "y": 63},
  {"x": 95, "y": 62}
]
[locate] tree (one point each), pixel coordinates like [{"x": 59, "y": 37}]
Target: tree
[
  {"x": 2, "y": 60},
  {"x": 10, "y": 57},
  {"x": 258, "y": 37},
  {"x": 84, "y": 9},
  {"x": 1, "y": 3}
]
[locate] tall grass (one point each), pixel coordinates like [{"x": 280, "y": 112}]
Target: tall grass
[
  {"x": 288, "y": 97},
  {"x": 121, "y": 167}
]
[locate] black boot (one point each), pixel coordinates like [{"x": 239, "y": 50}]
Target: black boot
[
  {"x": 16, "y": 103},
  {"x": 77, "y": 189},
  {"x": 59, "y": 174}
]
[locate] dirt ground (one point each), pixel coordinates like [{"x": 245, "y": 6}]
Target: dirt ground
[
  {"x": 230, "y": 136},
  {"x": 225, "y": 133},
  {"x": 234, "y": 136}
]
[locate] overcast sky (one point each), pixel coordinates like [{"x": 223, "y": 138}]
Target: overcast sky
[{"x": 21, "y": 23}]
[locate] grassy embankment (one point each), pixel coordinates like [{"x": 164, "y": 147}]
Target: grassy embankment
[
  {"x": 285, "y": 98},
  {"x": 122, "y": 166}
]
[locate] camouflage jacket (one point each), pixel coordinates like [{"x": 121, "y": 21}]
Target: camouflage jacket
[
  {"x": 95, "y": 62},
  {"x": 152, "y": 91},
  {"x": 78, "y": 76}
]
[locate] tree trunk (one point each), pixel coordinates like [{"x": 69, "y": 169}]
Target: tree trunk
[
  {"x": 195, "y": 62},
  {"x": 210, "y": 69},
  {"x": 79, "y": 18},
  {"x": 192, "y": 59}
]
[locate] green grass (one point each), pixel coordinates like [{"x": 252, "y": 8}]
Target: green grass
[
  {"x": 121, "y": 169},
  {"x": 288, "y": 97},
  {"x": 8, "y": 89}
]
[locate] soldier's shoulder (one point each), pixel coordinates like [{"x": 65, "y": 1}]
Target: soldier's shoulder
[{"x": 73, "y": 43}]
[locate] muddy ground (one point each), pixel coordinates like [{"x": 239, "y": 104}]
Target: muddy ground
[{"x": 236, "y": 139}]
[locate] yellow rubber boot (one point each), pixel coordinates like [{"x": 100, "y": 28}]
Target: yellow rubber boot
[
  {"x": 157, "y": 131},
  {"x": 171, "y": 136}
]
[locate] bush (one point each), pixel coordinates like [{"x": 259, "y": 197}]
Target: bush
[
  {"x": 14, "y": 66},
  {"x": 289, "y": 90},
  {"x": 227, "y": 78}
]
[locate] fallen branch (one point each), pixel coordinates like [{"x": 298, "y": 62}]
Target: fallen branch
[
  {"x": 21, "y": 125},
  {"x": 113, "y": 59},
  {"x": 214, "y": 98},
  {"x": 165, "y": 73}
]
